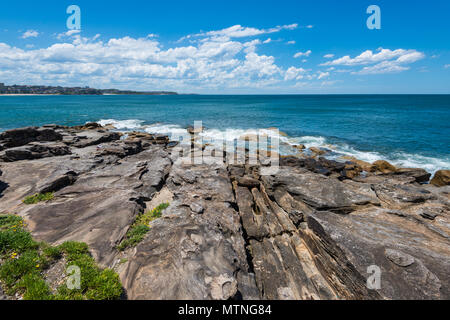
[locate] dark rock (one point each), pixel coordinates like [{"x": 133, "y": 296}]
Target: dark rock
[
  {"x": 60, "y": 183},
  {"x": 428, "y": 215},
  {"x": 19, "y": 137},
  {"x": 420, "y": 175},
  {"x": 34, "y": 151}
]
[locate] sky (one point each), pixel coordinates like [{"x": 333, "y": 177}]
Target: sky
[{"x": 229, "y": 47}]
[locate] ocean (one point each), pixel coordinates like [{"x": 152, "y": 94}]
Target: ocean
[{"x": 407, "y": 130}]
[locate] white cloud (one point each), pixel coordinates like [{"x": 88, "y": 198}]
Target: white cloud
[
  {"x": 142, "y": 64},
  {"x": 268, "y": 40},
  {"x": 294, "y": 73},
  {"x": 238, "y": 31},
  {"x": 303, "y": 54},
  {"x": 291, "y": 42},
  {"x": 310, "y": 26},
  {"x": 322, "y": 75},
  {"x": 67, "y": 34},
  {"x": 329, "y": 56},
  {"x": 368, "y": 57},
  {"x": 30, "y": 34},
  {"x": 385, "y": 61}
]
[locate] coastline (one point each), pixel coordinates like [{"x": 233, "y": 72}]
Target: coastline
[{"x": 92, "y": 184}]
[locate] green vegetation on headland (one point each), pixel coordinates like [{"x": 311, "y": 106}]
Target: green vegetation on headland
[
  {"x": 141, "y": 226},
  {"x": 38, "y": 197},
  {"x": 26, "y": 89},
  {"x": 23, "y": 263}
]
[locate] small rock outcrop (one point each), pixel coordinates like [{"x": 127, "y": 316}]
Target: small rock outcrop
[{"x": 441, "y": 178}]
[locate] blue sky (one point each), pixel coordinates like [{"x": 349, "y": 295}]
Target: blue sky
[{"x": 230, "y": 46}]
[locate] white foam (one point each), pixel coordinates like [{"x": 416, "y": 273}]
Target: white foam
[
  {"x": 122, "y": 124},
  {"x": 168, "y": 129},
  {"x": 232, "y": 134}
]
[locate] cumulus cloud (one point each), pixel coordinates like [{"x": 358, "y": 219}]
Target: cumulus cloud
[
  {"x": 329, "y": 56},
  {"x": 291, "y": 42},
  {"x": 142, "y": 63},
  {"x": 303, "y": 54},
  {"x": 384, "y": 61},
  {"x": 294, "y": 73},
  {"x": 30, "y": 34}
]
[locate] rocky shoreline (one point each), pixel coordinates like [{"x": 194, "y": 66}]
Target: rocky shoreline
[{"x": 314, "y": 230}]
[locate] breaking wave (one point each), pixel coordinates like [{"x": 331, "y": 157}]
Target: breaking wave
[{"x": 338, "y": 150}]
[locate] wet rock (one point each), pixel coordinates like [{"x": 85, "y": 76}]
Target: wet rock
[{"x": 441, "y": 178}]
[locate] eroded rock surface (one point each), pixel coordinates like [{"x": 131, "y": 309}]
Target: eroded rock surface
[{"x": 314, "y": 230}]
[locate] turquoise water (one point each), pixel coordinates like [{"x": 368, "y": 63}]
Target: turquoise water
[{"x": 409, "y": 130}]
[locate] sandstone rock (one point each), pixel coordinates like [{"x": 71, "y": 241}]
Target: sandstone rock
[
  {"x": 382, "y": 166},
  {"x": 365, "y": 166},
  {"x": 95, "y": 137},
  {"x": 248, "y": 182},
  {"x": 441, "y": 178},
  {"x": 19, "y": 137},
  {"x": 197, "y": 208},
  {"x": 398, "y": 195},
  {"x": 321, "y": 192},
  {"x": 299, "y": 147},
  {"x": 399, "y": 258},
  {"x": 310, "y": 231},
  {"x": 34, "y": 150},
  {"x": 191, "y": 256},
  {"x": 420, "y": 175},
  {"x": 317, "y": 151},
  {"x": 89, "y": 126}
]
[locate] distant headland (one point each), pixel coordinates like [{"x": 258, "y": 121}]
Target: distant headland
[{"x": 57, "y": 90}]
